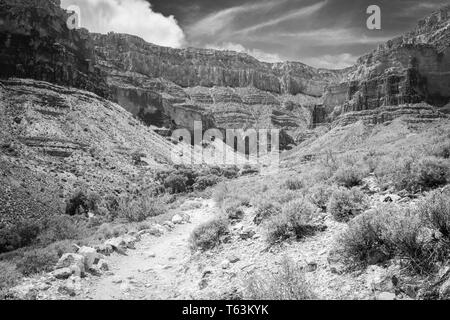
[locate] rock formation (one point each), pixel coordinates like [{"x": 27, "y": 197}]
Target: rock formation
[
  {"x": 409, "y": 69},
  {"x": 36, "y": 43}
]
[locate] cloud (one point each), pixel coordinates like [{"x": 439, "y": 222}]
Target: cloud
[
  {"x": 327, "y": 61},
  {"x": 223, "y": 19},
  {"x": 258, "y": 54},
  {"x": 134, "y": 17},
  {"x": 306, "y": 11}
]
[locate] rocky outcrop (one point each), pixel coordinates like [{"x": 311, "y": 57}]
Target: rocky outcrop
[
  {"x": 409, "y": 69},
  {"x": 36, "y": 43},
  {"x": 203, "y": 67}
]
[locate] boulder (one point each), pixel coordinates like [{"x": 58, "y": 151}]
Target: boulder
[
  {"x": 91, "y": 256},
  {"x": 177, "y": 219},
  {"x": 69, "y": 260},
  {"x": 62, "y": 273},
  {"x": 386, "y": 296}
]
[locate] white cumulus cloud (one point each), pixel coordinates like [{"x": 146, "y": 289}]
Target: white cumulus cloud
[{"x": 134, "y": 17}]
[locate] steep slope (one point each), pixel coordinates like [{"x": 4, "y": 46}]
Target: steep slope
[{"x": 55, "y": 140}]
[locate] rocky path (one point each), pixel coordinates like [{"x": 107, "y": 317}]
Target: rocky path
[{"x": 156, "y": 268}]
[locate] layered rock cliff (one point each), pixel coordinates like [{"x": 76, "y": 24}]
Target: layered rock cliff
[
  {"x": 36, "y": 43},
  {"x": 409, "y": 69}
]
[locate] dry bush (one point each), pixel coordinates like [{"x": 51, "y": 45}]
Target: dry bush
[
  {"x": 287, "y": 284},
  {"x": 203, "y": 182},
  {"x": 176, "y": 183},
  {"x": 234, "y": 209},
  {"x": 414, "y": 173},
  {"x": 138, "y": 210},
  {"x": 320, "y": 194},
  {"x": 36, "y": 261},
  {"x": 390, "y": 231},
  {"x": 294, "y": 220},
  {"x": 207, "y": 235},
  {"x": 435, "y": 209},
  {"x": 349, "y": 176},
  {"x": 265, "y": 210},
  {"x": 9, "y": 276},
  {"x": 345, "y": 204},
  {"x": 294, "y": 184}
]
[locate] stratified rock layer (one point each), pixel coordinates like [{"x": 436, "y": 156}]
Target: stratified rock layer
[{"x": 36, "y": 43}]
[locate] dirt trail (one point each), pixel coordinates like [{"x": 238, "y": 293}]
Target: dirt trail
[{"x": 156, "y": 268}]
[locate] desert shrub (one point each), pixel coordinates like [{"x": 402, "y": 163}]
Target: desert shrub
[
  {"x": 287, "y": 284},
  {"x": 386, "y": 232},
  {"x": 230, "y": 172},
  {"x": 441, "y": 150},
  {"x": 265, "y": 210},
  {"x": 9, "y": 276},
  {"x": 430, "y": 173},
  {"x": 36, "y": 261},
  {"x": 220, "y": 193},
  {"x": 349, "y": 176},
  {"x": 203, "y": 182},
  {"x": 142, "y": 208},
  {"x": 81, "y": 203},
  {"x": 176, "y": 183},
  {"x": 281, "y": 197},
  {"x": 207, "y": 235},
  {"x": 435, "y": 209},
  {"x": 293, "y": 184},
  {"x": 415, "y": 173},
  {"x": 233, "y": 209},
  {"x": 319, "y": 195},
  {"x": 21, "y": 234},
  {"x": 62, "y": 227},
  {"x": 344, "y": 204},
  {"x": 295, "y": 219}
]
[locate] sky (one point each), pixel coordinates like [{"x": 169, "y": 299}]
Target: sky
[{"x": 321, "y": 33}]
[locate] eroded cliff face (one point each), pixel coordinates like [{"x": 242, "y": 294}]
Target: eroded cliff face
[
  {"x": 36, "y": 43},
  {"x": 409, "y": 69},
  {"x": 222, "y": 89}
]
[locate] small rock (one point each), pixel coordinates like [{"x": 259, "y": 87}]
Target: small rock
[
  {"x": 116, "y": 280},
  {"x": 177, "y": 219},
  {"x": 311, "y": 266},
  {"x": 71, "y": 259},
  {"x": 246, "y": 234},
  {"x": 233, "y": 258},
  {"x": 62, "y": 273},
  {"x": 225, "y": 264},
  {"x": 169, "y": 225},
  {"x": 105, "y": 249},
  {"x": 150, "y": 254}
]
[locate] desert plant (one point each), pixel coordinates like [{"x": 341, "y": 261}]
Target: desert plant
[
  {"x": 38, "y": 260},
  {"x": 265, "y": 210},
  {"x": 349, "y": 176},
  {"x": 319, "y": 195},
  {"x": 345, "y": 204},
  {"x": 176, "y": 183},
  {"x": 9, "y": 276},
  {"x": 294, "y": 184},
  {"x": 203, "y": 182},
  {"x": 435, "y": 209},
  {"x": 62, "y": 227},
  {"x": 287, "y": 284},
  {"x": 295, "y": 219},
  {"x": 140, "y": 209},
  {"x": 207, "y": 235},
  {"x": 21, "y": 234},
  {"x": 386, "y": 232}
]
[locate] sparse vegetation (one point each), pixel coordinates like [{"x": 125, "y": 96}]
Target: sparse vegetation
[
  {"x": 294, "y": 220},
  {"x": 207, "y": 235},
  {"x": 38, "y": 260},
  {"x": 288, "y": 284},
  {"x": 345, "y": 204},
  {"x": 142, "y": 208},
  {"x": 294, "y": 184},
  {"x": 391, "y": 231}
]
